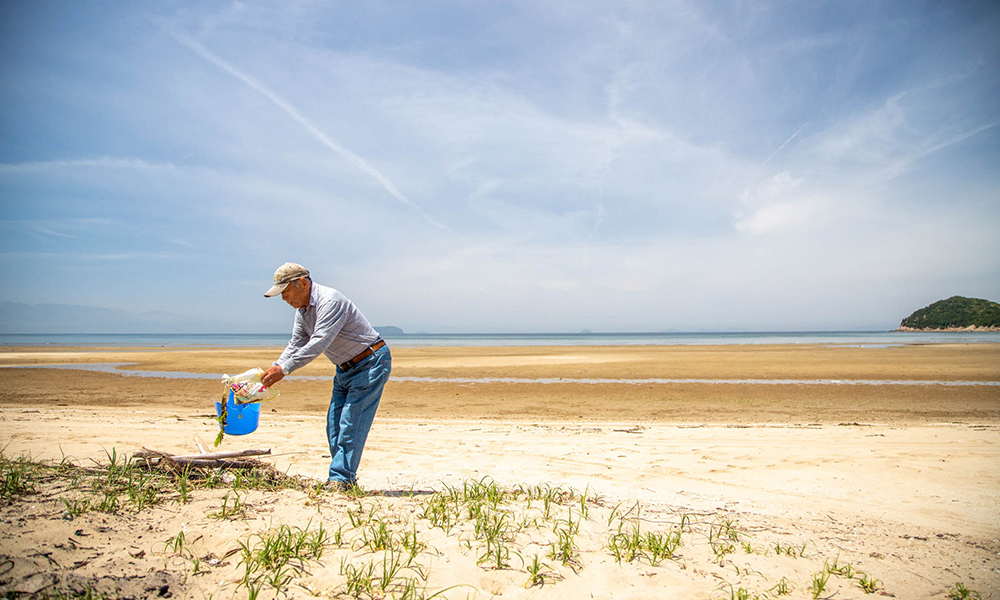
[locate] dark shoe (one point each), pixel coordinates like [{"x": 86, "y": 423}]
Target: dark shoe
[{"x": 337, "y": 485}]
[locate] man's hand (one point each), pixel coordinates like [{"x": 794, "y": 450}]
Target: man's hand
[{"x": 272, "y": 376}]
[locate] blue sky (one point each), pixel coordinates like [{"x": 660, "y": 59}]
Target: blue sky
[{"x": 504, "y": 167}]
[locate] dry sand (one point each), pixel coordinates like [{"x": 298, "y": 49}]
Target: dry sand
[{"x": 899, "y": 481}]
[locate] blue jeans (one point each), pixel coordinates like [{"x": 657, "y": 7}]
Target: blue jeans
[{"x": 356, "y": 394}]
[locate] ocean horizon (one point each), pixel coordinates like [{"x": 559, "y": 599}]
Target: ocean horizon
[{"x": 416, "y": 340}]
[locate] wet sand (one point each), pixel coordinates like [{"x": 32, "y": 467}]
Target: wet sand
[{"x": 416, "y": 390}]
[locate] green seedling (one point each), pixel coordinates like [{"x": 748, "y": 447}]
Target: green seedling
[
  {"x": 789, "y": 550},
  {"x": 492, "y": 526},
  {"x": 361, "y": 517},
  {"x": 783, "y": 588},
  {"x": 183, "y": 487},
  {"x": 254, "y": 588},
  {"x": 75, "y": 508},
  {"x": 614, "y": 513},
  {"x": 547, "y": 501},
  {"x": 584, "y": 511},
  {"x": 564, "y": 549},
  {"x": 494, "y": 529},
  {"x": 625, "y": 546},
  {"x": 960, "y": 592},
  {"x": 274, "y": 556},
  {"x": 142, "y": 495},
  {"x": 868, "y": 584},
  {"x": 411, "y": 544},
  {"x": 685, "y": 523},
  {"x": 392, "y": 567},
  {"x": 727, "y": 529},
  {"x": 377, "y": 536},
  {"x": 721, "y": 549},
  {"x": 176, "y": 544},
  {"x": 662, "y": 546},
  {"x": 413, "y": 589},
  {"x": 438, "y": 510},
  {"x": 232, "y": 507},
  {"x": 337, "y": 537},
  {"x": 496, "y": 555},
  {"x": 109, "y": 504},
  {"x": 655, "y": 547},
  {"x": 359, "y": 579},
  {"x": 841, "y": 570},
  {"x": 355, "y": 492},
  {"x": 536, "y": 573},
  {"x": 740, "y": 593},
  {"x": 16, "y": 476},
  {"x": 819, "y": 582}
]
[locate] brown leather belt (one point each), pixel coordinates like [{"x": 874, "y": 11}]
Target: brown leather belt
[{"x": 344, "y": 366}]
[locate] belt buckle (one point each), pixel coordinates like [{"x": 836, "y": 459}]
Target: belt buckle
[{"x": 362, "y": 355}]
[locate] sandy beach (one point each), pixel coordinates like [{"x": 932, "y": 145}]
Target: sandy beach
[{"x": 806, "y": 460}]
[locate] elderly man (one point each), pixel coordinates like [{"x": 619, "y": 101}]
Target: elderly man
[{"x": 326, "y": 322}]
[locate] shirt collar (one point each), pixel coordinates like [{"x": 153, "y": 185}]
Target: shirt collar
[{"x": 312, "y": 296}]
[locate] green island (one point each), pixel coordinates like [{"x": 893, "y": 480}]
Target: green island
[{"x": 955, "y": 314}]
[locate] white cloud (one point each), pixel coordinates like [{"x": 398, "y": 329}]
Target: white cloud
[
  {"x": 780, "y": 217},
  {"x": 779, "y": 205}
]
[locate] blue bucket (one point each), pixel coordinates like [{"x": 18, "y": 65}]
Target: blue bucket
[{"x": 241, "y": 419}]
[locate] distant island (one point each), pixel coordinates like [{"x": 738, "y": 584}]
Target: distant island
[
  {"x": 388, "y": 330},
  {"x": 955, "y": 314}
]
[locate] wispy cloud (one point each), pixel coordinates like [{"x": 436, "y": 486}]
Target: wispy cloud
[
  {"x": 104, "y": 162},
  {"x": 89, "y": 257},
  {"x": 775, "y": 153},
  {"x": 305, "y": 122}
]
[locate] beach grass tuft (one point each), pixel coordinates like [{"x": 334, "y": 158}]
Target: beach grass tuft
[{"x": 960, "y": 592}]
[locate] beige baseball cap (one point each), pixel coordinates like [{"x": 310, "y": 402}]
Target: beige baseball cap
[{"x": 286, "y": 274}]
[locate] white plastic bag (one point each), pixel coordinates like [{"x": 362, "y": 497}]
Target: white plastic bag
[{"x": 247, "y": 387}]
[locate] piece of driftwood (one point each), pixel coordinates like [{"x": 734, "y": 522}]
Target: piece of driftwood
[
  {"x": 205, "y": 460},
  {"x": 218, "y": 455},
  {"x": 212, "y": 464}
]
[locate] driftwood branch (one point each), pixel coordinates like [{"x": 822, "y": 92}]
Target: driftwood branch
[
  {"x": 205, "y": 460},
  {"x": 218, "y": 455},
  {"x": 209, "y": 464}
]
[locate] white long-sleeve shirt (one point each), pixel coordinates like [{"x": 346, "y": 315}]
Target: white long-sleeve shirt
[{"x": 330, "y": 325}]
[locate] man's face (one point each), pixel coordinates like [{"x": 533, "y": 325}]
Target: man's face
[{"x": 296, "y": 294}]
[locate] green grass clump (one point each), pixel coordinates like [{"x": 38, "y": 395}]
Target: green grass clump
[
  {"x": 538, "y": 572},
  {"x": 564, "y": 548},
  {"x": 17, "y": 476},
  {"x": 741, "y": 593},
  {"x": 232, "y": 507},
  {"x": 275, "y": 557},
  {"x": 868, "y": 584},
  {"x": 630, "y": 544},
  {"x": 819, "y": 581},
  {"x": 960, "y": 592}
]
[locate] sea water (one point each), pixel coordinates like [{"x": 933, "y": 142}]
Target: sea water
[{"x": 416, "y": 340}]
